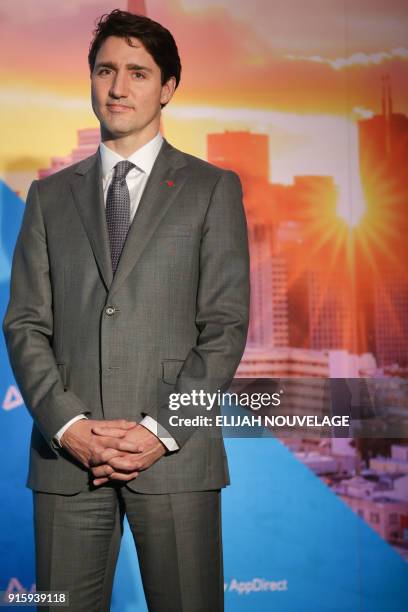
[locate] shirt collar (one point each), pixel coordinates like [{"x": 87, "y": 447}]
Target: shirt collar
[{"x": 143, "y": 158}]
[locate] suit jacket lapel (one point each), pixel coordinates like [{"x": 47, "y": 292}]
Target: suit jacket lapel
[
  {"x": 164, "y": 183},
  {"x": 88, "y": 196}
]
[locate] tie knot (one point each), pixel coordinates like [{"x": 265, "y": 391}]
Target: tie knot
[{"x": 121, "y": 169}]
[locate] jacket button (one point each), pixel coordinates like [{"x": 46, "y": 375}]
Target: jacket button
[{"x": 110, "y": 310}]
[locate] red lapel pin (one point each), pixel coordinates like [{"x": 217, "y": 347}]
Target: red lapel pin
[{"x": 170, "y": 183}]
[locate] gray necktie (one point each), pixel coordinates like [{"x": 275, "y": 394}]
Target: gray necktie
[{"x": 118, "y": 210}]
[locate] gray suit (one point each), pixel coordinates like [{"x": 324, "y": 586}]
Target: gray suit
[{"x": 173, "y": 318}]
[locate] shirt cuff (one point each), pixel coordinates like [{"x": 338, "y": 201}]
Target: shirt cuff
[
  {"x": 63, "y": 429},
  {"x": 161, "y": 433}
]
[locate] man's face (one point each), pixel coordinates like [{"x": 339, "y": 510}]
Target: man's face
[{"x": 126, "y": 89}]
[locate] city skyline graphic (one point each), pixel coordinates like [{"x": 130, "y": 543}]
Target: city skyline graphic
[
  {"x": 324, "y": 187},
  {"x": 313, "y": 116},
  {"x": 321, "y": 280}
]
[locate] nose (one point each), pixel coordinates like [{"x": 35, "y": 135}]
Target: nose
[{"x": 119, "y": 86}]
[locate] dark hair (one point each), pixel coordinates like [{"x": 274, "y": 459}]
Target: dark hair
[{"x": 157, "y": 40}]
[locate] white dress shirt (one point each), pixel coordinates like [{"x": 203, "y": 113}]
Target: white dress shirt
[{"x": 136, "y": 179}]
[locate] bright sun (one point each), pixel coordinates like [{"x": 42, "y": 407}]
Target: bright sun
[{"x": 351, "y": 204}]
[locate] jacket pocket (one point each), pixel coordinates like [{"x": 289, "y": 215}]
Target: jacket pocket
[{"x": 171, "y": 369}]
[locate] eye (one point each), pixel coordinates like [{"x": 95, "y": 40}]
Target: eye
[
  {"x": 139, "y": 75},
  {"x": 104, "y": 71}
]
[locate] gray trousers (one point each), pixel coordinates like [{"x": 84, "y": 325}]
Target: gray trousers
[{"x": 177, "y": 538}]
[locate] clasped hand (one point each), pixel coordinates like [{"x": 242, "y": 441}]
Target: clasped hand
[{"x": 112, "y": 450}]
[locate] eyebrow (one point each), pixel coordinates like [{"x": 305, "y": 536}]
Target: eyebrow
[{"x": 114, "y": 66}]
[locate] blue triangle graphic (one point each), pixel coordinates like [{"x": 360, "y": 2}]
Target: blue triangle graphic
[{"x": 281, "y": 522}]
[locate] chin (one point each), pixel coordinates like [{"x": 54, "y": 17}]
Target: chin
[{"x": 117, "y": 127}]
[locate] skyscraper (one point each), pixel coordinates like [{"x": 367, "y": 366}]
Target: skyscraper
[
  {"x": 137, "y": 6},
  {"x": 248, "y": 155},
  {"x": 88, "y": 142},
  {"x": 383, "y": 281},
  {"x": 242, "y": 151}
]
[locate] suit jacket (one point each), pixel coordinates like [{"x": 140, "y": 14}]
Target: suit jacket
[{"x": 173, "y": 318}]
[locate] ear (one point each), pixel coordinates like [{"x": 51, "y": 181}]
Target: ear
[{"x": 167, "y": 90}]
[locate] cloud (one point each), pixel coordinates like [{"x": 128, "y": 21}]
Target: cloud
[
  {"x": 363, "y": 113},
  {"x": 299, "y": 144},
  {"x": 317, "y": 26},
  {"x": 357, "y": 59}
]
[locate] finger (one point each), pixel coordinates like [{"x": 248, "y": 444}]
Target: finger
[
  {"x": 130, "y": 447},
  {"x": 102, "y": 470},
  {"x": 122, "y": 476},
  {"x": 102, "y": 455},
  {"x": 108, "y": 454},
  {"x": 123, "y": 464},
  {"x": 115, "y": 432},
  {"x": 109, "y": 442},
  {"x": 100, "y": 481}
]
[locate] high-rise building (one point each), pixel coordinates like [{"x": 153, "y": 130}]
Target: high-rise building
[
  {"x": 391, "y": 318},
  {"x": 244, "y": 152},
  {"x": 137, "y": 6},
  {"x": 319, "y": 293},
  {"x": 290, "y": 246},
  {"x": 383, "y": 142},
  {"x": 330, "y": 310},
  {"x": 305, "y": 363},
  {"x": 247, "y": 154},
  {"x": 295, "y": 300},
  {"x": 285, "y": 362},
  {"x": 268, "y": 326},
  {"x": 88, "y": 142},
  {"x": 382, "y": 282}
]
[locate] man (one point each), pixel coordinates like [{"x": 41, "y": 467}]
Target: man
[{"x": 129, "y": 282}]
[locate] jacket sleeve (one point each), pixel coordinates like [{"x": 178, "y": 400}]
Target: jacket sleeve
[
  {"x": 28, "y": 328},
  {"x": 222, "y": 307}
]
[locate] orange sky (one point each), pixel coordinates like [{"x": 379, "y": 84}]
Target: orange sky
[
  {"x": 46, "y": 42},
  {"x": 263, "y": 56}
]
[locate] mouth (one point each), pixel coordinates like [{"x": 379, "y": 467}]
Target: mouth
[{"x": 118, "y": 108}]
